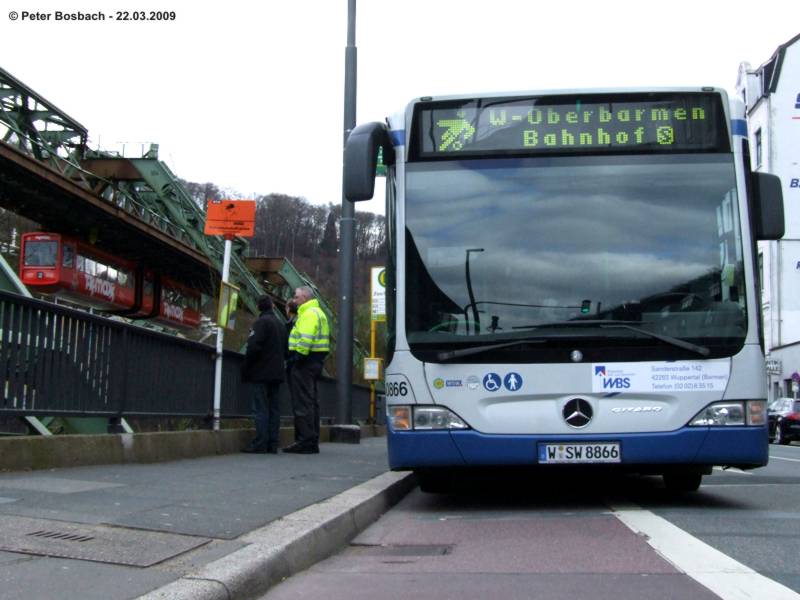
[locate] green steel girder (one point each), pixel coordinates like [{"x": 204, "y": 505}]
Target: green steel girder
[
  {"x": 38, "y": 128},
  {"x": 167, "y": 194},
  {"x": 150, "y": 192}
]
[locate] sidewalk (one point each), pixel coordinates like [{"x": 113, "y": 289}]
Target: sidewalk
[{"x": 202, "y": 527}]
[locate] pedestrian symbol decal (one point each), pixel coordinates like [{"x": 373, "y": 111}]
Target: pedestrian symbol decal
[
  {"x": 491, "y": 381},
  {"x": 513, "y": 382}
]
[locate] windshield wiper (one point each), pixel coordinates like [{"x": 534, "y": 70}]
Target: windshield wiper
[
  {"x": 451, "y": 354},
  {"x": 629, "y": 325},
  {"x": 701, "y": 350},
  {"x": 578, "y": 323},
  {"x": 601, "y": 323}
]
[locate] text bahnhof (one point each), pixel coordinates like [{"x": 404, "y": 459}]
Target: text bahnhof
[{"x": 552, "y": 128}]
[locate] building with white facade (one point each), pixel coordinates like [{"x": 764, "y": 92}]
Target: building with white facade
[{"x": 771, "y": 94}]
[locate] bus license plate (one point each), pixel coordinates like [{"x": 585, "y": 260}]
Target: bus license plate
[{"x": 585, "y": 452}]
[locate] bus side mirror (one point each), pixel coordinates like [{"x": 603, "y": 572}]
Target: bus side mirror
[
  {"x": 361, "y": 159},
  {"x": 768, "y": 207}
]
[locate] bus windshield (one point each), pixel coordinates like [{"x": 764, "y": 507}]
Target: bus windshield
[
  {"x": 498, "y": 248},
  {"x": 40, "y": 253}
]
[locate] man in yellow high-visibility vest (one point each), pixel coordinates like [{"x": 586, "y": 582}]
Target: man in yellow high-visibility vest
[{"x": 309, "y": 344}]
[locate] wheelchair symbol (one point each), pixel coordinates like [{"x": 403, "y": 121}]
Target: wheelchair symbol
[{"x": 491, "y": 382}]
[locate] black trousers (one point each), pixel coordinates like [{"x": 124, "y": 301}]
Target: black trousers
[
  {"x": 267, "y": 415},
  {"x": 303, "y": 384}
]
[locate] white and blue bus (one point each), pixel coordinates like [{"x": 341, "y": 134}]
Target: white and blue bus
[{"x": 572, "y": 280}]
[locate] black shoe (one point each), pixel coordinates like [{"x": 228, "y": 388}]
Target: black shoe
[
  {"x": 272, "y": 450},
  {"x": 249, "y": 450},
  {"x": 300, "y": 449}
]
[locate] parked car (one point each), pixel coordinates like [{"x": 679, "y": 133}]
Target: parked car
[{"x": 783, "y": 417}]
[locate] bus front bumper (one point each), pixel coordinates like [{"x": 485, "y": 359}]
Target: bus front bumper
[{"x": 745, "y": 447}]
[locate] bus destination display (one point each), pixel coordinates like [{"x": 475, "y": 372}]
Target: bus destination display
[{"x": 587, "y": 124}]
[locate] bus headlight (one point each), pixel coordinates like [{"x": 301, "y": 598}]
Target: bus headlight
[
  {"x": 423, "y": 418},
  {"x": 436, "y": 417},
  {"x": 721, "y": 414}
]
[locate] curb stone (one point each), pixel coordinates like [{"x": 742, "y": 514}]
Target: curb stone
[{"x": 290, "y": 544}]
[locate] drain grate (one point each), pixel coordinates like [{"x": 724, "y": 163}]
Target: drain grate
[
  {"x": 69, "y": 537},
  {"x": 97, "y": 543},
  {"x": 401, "y": 550}
]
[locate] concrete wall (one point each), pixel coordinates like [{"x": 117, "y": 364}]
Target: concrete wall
[{"x": 26, "y": 453}]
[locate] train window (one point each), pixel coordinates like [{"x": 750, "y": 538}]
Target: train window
[
  {"x": 68, "y": 256},
  {"x": 91, "y": 267},
  {"x": 122, "y": 277},
  {"x": 41, "y": 254},
  {"x": 101, "y": 270},
  {"x": 112, "y": 274},
  {"x": 81, "y": 263}
]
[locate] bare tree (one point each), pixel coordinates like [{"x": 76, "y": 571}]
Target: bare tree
[{"x": 201, "y": 193}]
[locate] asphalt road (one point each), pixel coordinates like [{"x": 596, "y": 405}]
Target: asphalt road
[{"x": 579, "y": 537}]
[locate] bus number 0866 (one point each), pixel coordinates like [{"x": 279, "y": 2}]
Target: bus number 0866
[{"x": 396, "y": 388}]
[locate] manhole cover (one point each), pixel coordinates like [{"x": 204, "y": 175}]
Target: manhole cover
[
  {"x": 401, "y": 550},
  {"x": 96, "y": 543}
]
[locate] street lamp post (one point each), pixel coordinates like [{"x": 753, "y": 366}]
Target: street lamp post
[{"x": 344, "y": 342}]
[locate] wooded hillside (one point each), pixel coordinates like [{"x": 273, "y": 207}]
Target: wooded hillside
[
  {"x": 308, "y": 235},
  {"x": 286, "y": 226}
]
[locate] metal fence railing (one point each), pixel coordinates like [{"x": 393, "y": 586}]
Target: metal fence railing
[{"x": 56, "y": 361}]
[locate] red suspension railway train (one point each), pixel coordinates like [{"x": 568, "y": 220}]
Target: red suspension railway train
[{"x": 66, "y": 267}]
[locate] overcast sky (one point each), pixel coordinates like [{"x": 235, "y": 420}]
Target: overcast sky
[{"x": 249, "y": 95}]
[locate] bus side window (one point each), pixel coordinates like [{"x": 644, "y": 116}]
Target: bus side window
[
  {"x": 68, "y": 256},
  {"x": 81, "y": 263}
]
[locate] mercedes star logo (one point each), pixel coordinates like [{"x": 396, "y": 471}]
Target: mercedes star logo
[{"x": 577, "y": 413}]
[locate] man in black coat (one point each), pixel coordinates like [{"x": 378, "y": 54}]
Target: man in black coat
[{"x": 264, "y": 368}]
